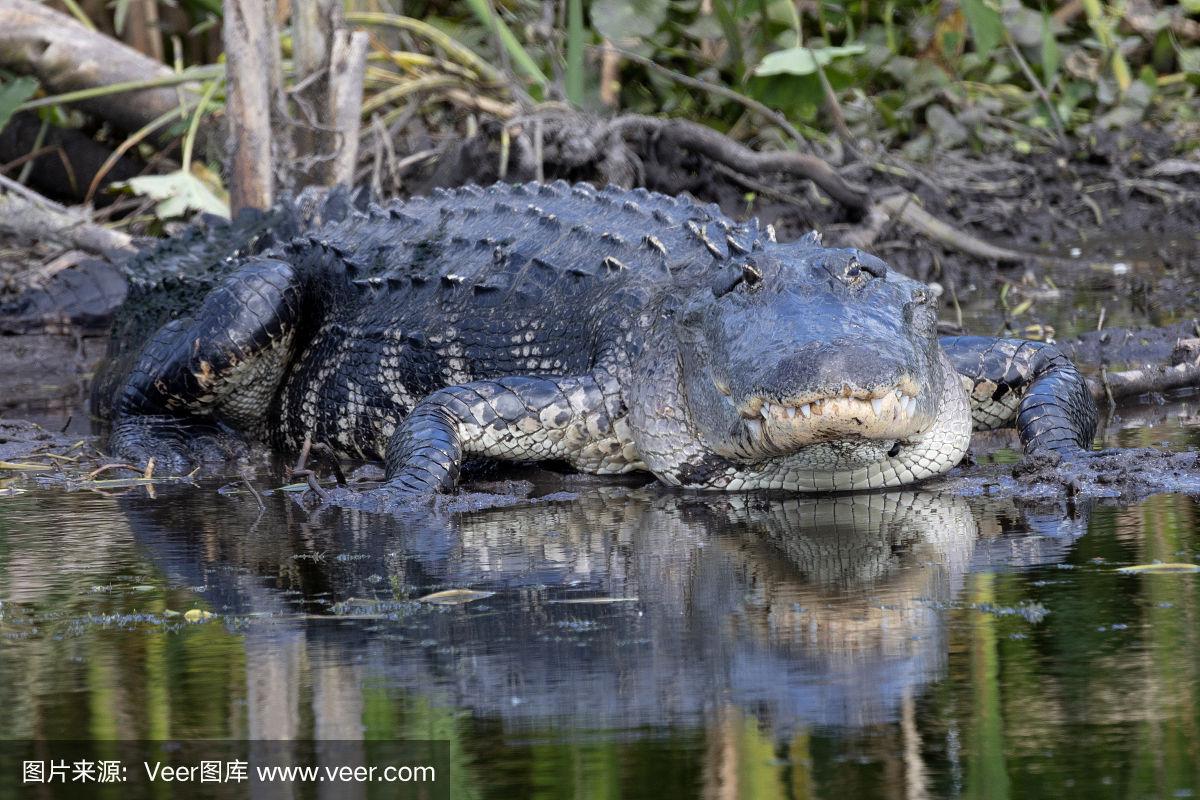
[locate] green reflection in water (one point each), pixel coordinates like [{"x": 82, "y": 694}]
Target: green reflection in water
[
  {"x": 987, "y": 775},
  {"x": 1098, "y": 698}
]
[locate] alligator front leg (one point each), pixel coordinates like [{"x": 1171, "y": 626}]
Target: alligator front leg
[
  {"x": 220, "y": 369},
  {"x": 1031, "y": 385},
  {"x": 580, "y": 420}
]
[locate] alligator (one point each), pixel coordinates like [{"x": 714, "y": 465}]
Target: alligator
[{"x": 612, "y": 329}]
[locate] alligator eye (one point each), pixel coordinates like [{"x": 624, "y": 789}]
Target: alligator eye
[
  {"x": 854, "y": 272},
  {"x": 751, "y": 274}
]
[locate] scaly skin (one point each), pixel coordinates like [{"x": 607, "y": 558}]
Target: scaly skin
[{"x": 615, "y": 330}]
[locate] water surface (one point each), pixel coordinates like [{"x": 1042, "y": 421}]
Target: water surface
[{"x": 638, "y": 642}]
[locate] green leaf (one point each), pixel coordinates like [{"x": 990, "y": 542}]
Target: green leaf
[
  {"x": 804, "y": 60},
  {"x": 1051, "y": 57},
  {"x": 622, "y": 20},
  {"x": 519, "y": 55},
  {"x": 12, "y": 94},
  {"x": 1191, "y": 6},
  {"x": 177, "y": 193},
  {"x": 1189, "y": 60},
  {"x": 986, "y": 26}
]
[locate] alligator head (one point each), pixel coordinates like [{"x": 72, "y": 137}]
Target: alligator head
[{"x": 811, "y": 365}]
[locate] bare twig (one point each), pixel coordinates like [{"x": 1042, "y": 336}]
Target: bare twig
[
  {"x": 721, "y": 91},
  {"x": 253, "y": 491},
  {"x": 1038, "y": 87},
  {"x": 904, "y": 207}
]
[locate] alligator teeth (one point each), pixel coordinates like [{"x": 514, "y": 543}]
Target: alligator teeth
[
  {"x": 755, "y": 428},
  {"x": 806, "y": 411},
  {"x": 791, "y": 412},
  {"x": 765, "y": 411},
  {"x": 877, "y": 406}
]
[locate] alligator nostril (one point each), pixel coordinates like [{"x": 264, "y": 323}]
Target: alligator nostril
[{"x": 895, "y": 451}]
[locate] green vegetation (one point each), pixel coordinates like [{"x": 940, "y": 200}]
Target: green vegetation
[{"x": 898, "y": 73}]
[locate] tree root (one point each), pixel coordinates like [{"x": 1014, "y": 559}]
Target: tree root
[
  {"x": 667, "y": 154},
  {"x": 717, "y": 147},
  {"x": 905, "y": 208}
]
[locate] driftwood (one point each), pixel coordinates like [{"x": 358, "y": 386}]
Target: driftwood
[
  {"x": 1181, "y": 373},
  {"x": 1151, "y": 379},
  {"x": 65, "y": 56},
  {"x": 28, "y": 215}
]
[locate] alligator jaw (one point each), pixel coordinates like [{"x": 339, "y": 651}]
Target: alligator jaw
[{"x": 892, "y": 413}]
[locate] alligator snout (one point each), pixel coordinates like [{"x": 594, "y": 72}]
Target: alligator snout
[{"x": 839, "y": 368}]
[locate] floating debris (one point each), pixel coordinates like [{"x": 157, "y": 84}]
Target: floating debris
[
  {"x": 454, "y": 597},
  {"x": 197, "y": 615},
  {"x": 1160, "y": 568},
  {"x": 19, "y": 466},
  {"x": 593, "y": 601},
  {"x": 1032, "y": 612}
]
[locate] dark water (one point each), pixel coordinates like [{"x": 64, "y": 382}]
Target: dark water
[{"x": 637, "y": 644}]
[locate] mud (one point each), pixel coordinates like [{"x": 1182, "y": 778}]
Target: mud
[
  {"x": 23, "y": 442},
  {"x": 1124, "y": 474}
]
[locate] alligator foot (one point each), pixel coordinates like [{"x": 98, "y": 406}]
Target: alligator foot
[{"x": 177, "y": 447}]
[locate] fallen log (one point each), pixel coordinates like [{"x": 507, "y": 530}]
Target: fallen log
[
  {"x": 28, "y": 215},
  {"x": 65, "y": 56},
  {"x": 1151, "y": 379}
]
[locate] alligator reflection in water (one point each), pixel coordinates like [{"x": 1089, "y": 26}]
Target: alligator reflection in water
[{"x": 802, "y": 610}]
